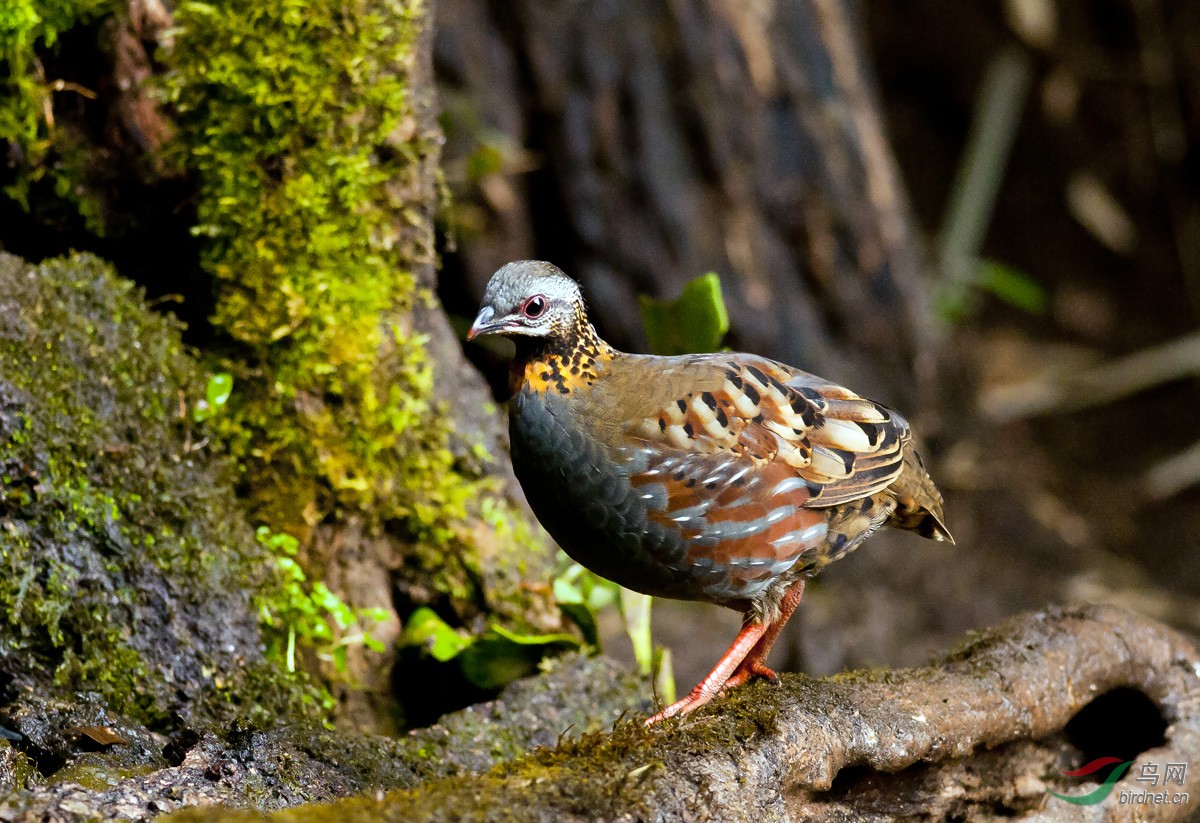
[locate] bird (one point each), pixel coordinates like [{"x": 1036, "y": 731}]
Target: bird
[{"x": 727, "y": 477}]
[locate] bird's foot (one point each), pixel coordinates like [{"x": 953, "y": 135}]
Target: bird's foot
[
  {"x": 712, "y": 685},
  {"x": 695, "y": 699},
  {"x": 701, "y": 695},
  {"x": 749, "y": 671}
]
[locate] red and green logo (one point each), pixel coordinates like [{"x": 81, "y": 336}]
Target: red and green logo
[{"x": 1104, "y": 789}]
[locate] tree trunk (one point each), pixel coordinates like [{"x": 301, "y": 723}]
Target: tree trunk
[
  {"x": 640, "y": 144},
  {"x": 303, "y": 150}
]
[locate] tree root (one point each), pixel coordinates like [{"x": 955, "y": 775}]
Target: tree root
[{"x": 977, "y": 736}]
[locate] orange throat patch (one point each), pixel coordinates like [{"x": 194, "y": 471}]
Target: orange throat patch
[
  {"x": 562, "y": 374},
  {"x": 568, "y": 361}
]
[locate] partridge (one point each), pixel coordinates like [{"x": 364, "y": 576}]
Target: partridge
[{"x": 727, "y": 478}]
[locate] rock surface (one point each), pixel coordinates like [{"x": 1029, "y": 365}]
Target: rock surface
[
  {"x": 144, "y": 775},
  {"x": 125, "y": 569},
  {"x": 977, "y": 736}
]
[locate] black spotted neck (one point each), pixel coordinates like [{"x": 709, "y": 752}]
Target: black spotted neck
[{"x": 565, "y": 360}]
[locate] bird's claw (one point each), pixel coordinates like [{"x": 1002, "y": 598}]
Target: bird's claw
[{"x": 747, "y": 672}]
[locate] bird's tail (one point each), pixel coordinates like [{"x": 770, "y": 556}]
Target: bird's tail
[{"x": 918, "y": 502}]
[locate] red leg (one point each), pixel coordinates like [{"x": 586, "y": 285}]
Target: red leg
[
  {"x": 708, "y": 688},
  {"x": 755, "y": 663}
]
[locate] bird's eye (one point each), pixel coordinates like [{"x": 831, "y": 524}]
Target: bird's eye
[{"x": 534, "y": 306}]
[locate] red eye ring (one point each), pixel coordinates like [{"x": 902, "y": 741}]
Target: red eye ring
[{"x": 534, "y": 307}]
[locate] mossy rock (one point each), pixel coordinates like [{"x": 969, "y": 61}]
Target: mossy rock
[
  {"x": 302, "y": 180},
  {"x": 304, "y": 763},
  {"x": 126, "y": 568}
]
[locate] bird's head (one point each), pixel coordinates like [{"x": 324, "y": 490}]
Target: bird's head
[{"x": 530, "y": 298}]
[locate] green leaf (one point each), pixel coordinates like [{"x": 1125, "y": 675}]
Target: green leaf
[
  {"x": 291, "y": 649},
  {"x": 694, "y": 322},
  {"x": 485, "y": 160},
  {"x": 502, "y": 656},
  {"x": 277, "y": 541},
  {"x": 952, "y": 303},
  {"x": 290, "y": 568},
  {"x": 1013, "y": 286},
  {"x": 664, "y": 675},
  {"x": 216, "y": 395},
  {"x": 535, "y": 639},
  {"x": 580, "y": 594},
  {"x": 429, "y": 631},
  {"x": 324, "y": 598},
  {"x": 585, "y": 619},
  {"x": 599, "y": 592},
  {"x": 377, "y": 614},
  {"x": 492, "y": 662},
  {"x": 220, "y": 386},
  {"x": 567, "y": 591}
]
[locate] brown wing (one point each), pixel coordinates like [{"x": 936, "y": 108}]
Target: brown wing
[
  {"x": 843, "y": 446},
  {"x": 744, "y": 466}
]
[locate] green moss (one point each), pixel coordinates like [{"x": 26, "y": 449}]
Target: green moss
[
  {"x": 300, "y": 128},
  {"x": 47, "y": 151},
  {"x": 260, "y": 695},
  {"x": 125, "y": 567},
  {"x": 285, "y": 114},
  {"x": 313, "y": 169},
  {"x": 16, "y": 771},
  {"x": 95, "y": 773}
]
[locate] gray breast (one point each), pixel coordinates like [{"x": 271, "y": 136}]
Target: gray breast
[{"x": 583, "y": 498}]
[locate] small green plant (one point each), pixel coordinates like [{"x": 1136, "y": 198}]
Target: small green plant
[
  {"x": 580, "y": 594},
  {"x": 216, "y": 395},
  {"x": 958, "y": 299},
  {"x": 300, "y": 613},
  {"x": 693, "y": 323},
  {"x": 490, "y": 660}
]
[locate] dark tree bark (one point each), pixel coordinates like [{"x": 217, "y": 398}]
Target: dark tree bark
[{"x": 645, "y": 143}]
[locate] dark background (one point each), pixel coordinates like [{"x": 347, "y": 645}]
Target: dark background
[{"x": 1052, "y": 507}]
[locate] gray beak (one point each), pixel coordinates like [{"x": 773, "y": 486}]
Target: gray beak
[{"x": 484, "y": 323}]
